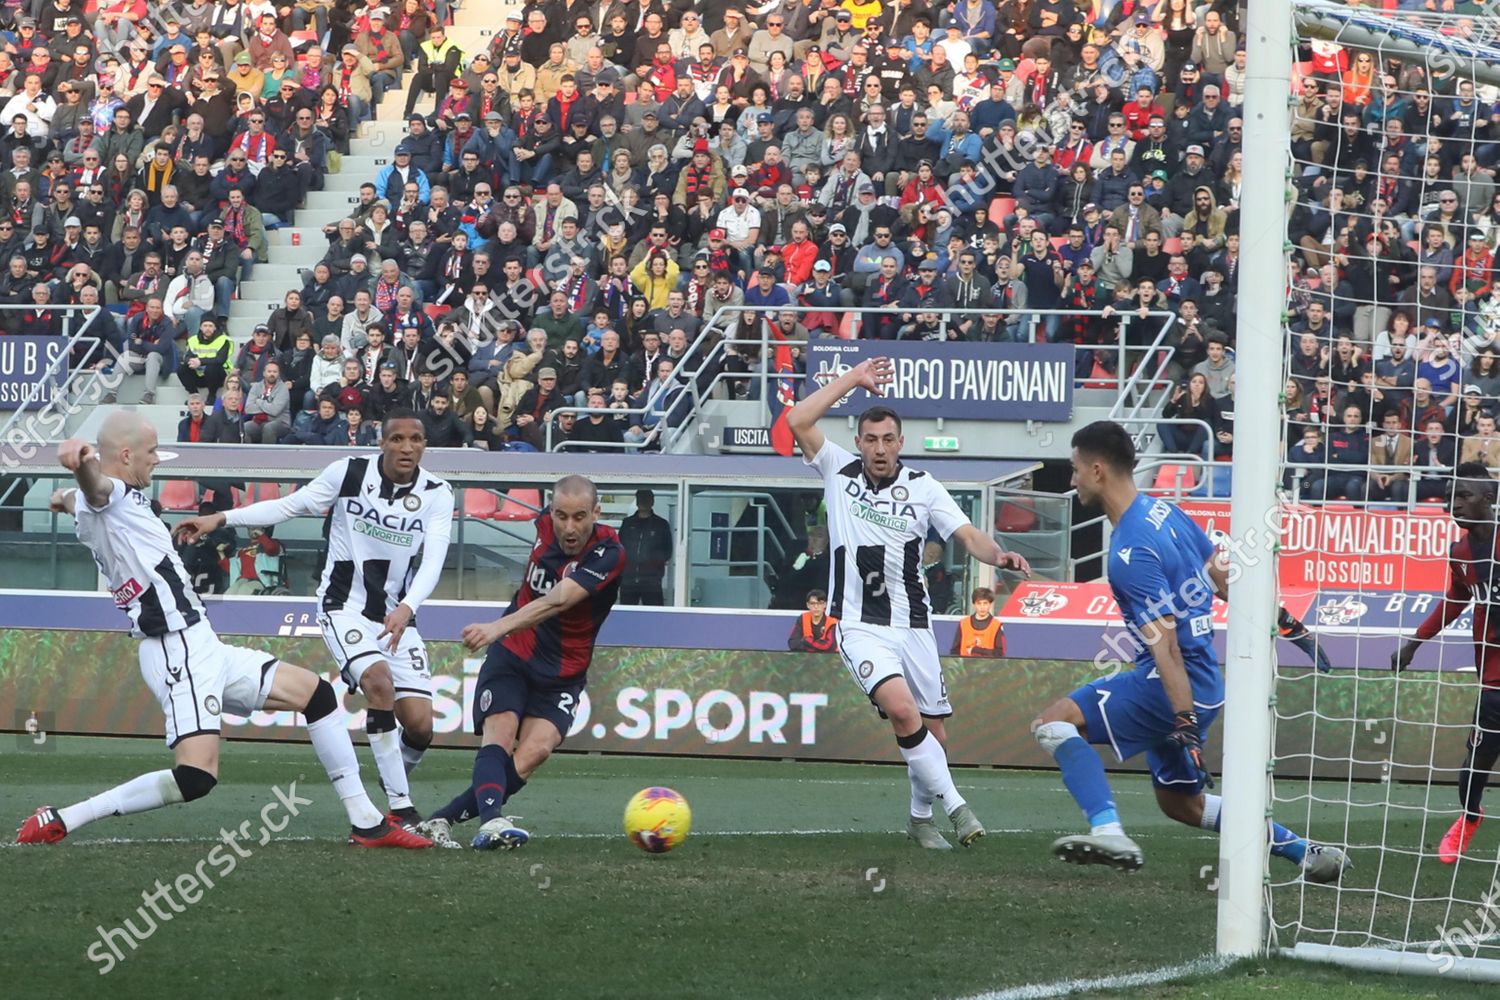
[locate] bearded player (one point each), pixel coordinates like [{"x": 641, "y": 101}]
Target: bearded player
[
  {"x": 1472, "y": 577},
  {"x": 1164, "y": 574},
  {"x": 195, "y": 677},
  {"x": 538, "y": 660},
  {"x": 880, "y": 514},
  {"x": 389, "y": 522}
]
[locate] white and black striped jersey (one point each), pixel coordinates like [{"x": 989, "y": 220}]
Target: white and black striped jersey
[
  {"x": 877, "y": 531},
  {"x": 135, "y": 553},
  {"x": 378, "y": 531}
]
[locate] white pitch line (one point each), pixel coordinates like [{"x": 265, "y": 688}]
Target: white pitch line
[
  {"x": 1068, "y": 987},
  {"x": 812, "y": 832}
]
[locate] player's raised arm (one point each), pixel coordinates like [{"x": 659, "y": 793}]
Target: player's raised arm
[
  {"x": 872, "y": 374},
  {"x": 311, "y": 500},
  {"x": 568, "y": 593},
  {"x": 82, "y": 459},
  {"x": 983, "y": 547}
]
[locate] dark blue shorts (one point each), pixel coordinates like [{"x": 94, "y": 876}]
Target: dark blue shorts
[
  {"x": 1130, "y": 713},
  {"x": 506, "y": 684}
]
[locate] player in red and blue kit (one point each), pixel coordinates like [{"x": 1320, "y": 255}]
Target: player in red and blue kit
[
  {"x": 1473, "y": 578},
  {"x": 538, "y": 661},
  {"x": 1164, "y": 573}
]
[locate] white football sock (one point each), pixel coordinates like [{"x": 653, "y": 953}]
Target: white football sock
[
  {"x": 139, "y": 794},
  {"x": 330, "y": 740},
  {"x": 411, "y": 756},
  {"x": 1211, "y": 806},
  {"x": 921, "y": 801},
  {"x": 1108, "y": 830},
  {"x": 387, "y": 749},
  {"x": 928, "y": 762}
]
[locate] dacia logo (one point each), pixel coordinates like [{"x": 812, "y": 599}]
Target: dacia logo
[
  {"x": 391, "y": 522},
  {"x": 891, "y": 508}
]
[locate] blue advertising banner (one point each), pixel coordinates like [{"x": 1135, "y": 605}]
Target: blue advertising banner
[
  {"x": 958, "y": 381},
  {"x": 27, "y": 378}
]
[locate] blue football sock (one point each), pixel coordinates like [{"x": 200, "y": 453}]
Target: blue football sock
[
  {"x": 1083, "y": 774},
  {"x": 489, "y": 780},
  {"x": 513, "y": 780},
  {"x": 1286, "y": 844},
  {"x": 461, "y": 809}
]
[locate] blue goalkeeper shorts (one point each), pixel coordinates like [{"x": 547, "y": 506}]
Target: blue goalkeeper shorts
[{"x": 1130, "y": 713}]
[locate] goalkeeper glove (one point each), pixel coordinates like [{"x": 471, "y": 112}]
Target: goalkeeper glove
[{"x": 1185, "y": 737}]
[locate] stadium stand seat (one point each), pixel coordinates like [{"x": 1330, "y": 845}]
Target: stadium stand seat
[
  {"x": 179, "y": 496},
  {"x": 480, "y": 504},
  {"x": 520, "y": 505},
  {"x": 1169, "y": 478}
]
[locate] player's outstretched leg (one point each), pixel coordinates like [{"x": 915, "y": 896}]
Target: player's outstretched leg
[
  {"x": 1058, "y": 731},
  {"x": 182, "y": 783},
  {"x": 1320, "y": 863}
]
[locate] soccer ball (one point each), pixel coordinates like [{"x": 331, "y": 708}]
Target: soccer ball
[{"x": 657, "y": 819}]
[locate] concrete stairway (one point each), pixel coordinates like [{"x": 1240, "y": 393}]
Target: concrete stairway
[{"x": 292, "y": 249}]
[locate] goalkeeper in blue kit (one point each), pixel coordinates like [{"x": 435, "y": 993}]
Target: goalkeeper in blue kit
[{"x": 1164, "y": 573}]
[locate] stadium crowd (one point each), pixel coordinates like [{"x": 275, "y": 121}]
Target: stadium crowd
[{"x": 571, "y": 205}]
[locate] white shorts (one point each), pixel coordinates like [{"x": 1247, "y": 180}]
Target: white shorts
[
  {"x": 876, "y": 653},
  {"x": 196, "y": 678},
  {"x": 355, "y": 644}
]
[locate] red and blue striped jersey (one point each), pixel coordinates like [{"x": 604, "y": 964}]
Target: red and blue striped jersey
[{"x": 563, "y": 645}]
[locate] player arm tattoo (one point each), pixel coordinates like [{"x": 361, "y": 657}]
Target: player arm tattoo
[
  {"x": 1161, "y": 635},
  {"x": 95, "y": 486}
]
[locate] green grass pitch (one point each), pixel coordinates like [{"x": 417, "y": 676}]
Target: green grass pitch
[{"x": 774, "y": 894}]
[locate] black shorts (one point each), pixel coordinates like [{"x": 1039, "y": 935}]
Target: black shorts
[
  {"x": 1486, "y": 719},
  {"x": 506, "y": 684}
]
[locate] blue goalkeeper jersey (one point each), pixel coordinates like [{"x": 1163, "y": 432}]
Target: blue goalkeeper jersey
[{"x": 1156, "y": 569}]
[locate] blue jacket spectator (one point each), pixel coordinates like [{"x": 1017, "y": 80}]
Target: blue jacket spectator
[{"x": 325, "y": 427}]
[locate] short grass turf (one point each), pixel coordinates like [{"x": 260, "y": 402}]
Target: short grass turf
[{"x": 774, "y": 895}]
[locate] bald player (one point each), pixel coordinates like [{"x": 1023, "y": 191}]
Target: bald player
[
  {"x": 538, "y": 658},
  {"x": 195, "y": 677}
]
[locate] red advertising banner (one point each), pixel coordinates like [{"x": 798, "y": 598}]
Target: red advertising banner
[
  {"x": 1094, "y": 604},
  {"x": 1344, "y": 548}
]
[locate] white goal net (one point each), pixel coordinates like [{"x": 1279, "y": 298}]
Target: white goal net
[{"x": 1392, "y": 383}]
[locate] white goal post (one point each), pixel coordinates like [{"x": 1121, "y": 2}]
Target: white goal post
[{"x": 1454, "y": 47}]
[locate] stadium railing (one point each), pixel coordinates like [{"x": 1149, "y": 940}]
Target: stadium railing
[{"x": 713, "y": 341}]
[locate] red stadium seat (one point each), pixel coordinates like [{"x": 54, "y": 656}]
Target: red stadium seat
[
  {"x": 1015, "y": 516},
  {"x": 480, "y": 504},
  {"x": 1171, "y": 245},
  {"x": 1001, "y": 207},
  {"x": 179, "y": 496},
  {"x": 1100, "y": 377},
  {"x": 1058, "y": 242},
  {"x": 1167, "y": 478},
  {"x": 849, "y": 326},
  {"x": 520, "y": 505},
  {"x": 268, "y": 491}
]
